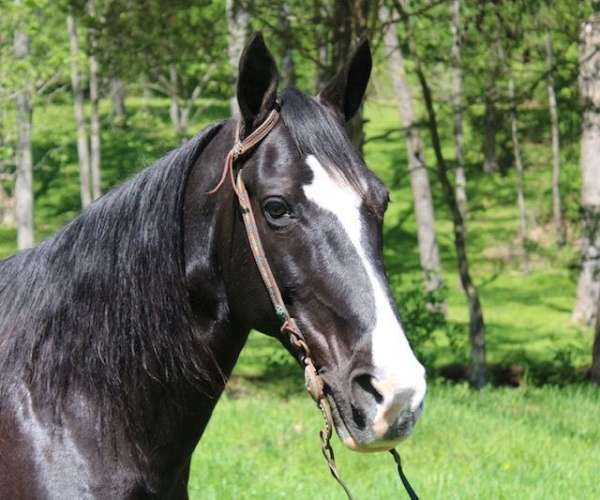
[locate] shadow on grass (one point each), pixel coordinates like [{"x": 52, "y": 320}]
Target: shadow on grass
[{"x": 522, "y": 372}]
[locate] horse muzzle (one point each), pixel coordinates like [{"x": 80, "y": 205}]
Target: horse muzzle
[{"x": 381, "y": 411}]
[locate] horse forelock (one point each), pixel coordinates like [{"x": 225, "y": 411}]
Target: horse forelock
[{"x": 316, "y": 131}]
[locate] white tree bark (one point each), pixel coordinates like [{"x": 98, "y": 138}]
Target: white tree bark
[
  {"x": 24, "y": 153},
  {"x": 78, "y": 106},
  {"x": 520, "y": 175},
  {"x": 460, "y": 180},
  {"x": 553, "y": 108},
  {"x": 419, "y": 178},
  {"x": 478, "y": 363},
  {"x": 185, "y": 112},
  {"x": 7, "y": 203},
  {"x": 175, "y": 112},
  {"x": 144, "y": 83},
  {"x": 95, "y": 144},
  {"x": 588, "y": 288},
  {"x": 238, "y": 23}
]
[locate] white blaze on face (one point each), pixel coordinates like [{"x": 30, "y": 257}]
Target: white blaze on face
[{"x": 399, "y": 377}]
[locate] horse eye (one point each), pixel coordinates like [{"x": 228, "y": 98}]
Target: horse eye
[{"x": 275, "y": 208}]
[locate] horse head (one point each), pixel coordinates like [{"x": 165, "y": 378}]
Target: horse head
[{"x": 319, "y": 212}]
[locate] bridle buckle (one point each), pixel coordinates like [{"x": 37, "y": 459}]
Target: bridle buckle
[{"x": 237, "y": 150}]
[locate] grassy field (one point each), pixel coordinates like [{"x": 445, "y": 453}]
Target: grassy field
[
  {"x": 537, "y": 443},
  {"x": 533, "y": 442}
]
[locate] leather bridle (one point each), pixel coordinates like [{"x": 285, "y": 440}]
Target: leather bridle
[{"x": 314, "y": 383}]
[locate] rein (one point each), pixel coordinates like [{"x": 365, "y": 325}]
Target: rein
[{"x": 314, "y": 383}]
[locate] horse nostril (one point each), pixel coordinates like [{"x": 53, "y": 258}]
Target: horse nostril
[
  {"x": 359, "y": 417},
  {"x": 364, "y": 384}
]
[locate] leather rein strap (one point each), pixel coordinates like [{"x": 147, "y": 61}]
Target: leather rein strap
[{"x": 314, "y": 383}]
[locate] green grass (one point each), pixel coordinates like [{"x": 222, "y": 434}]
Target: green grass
[{"x": 534, "y": 442}]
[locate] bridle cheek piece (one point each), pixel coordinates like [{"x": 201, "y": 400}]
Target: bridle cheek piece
[{"x": 314, "y": 383}]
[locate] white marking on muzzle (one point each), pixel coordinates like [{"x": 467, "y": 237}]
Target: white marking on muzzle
[{"x": 399, "y": 377}]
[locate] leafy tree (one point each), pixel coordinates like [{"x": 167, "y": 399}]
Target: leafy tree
[
  {"x": 31, "y": 58},
  {"x": 178, "y": 45}
]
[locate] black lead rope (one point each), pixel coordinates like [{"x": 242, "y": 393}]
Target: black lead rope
[{"x": 403, "y": 478}]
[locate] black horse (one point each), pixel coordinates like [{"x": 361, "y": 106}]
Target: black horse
[{"x": 118, "y": 333}]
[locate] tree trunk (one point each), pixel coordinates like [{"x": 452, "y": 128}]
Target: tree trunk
[
  {"x": 490, "y": 121},
  {"x": 519, "y": 168},
  {"x": 24, "y": 153},
  {"x": 174, "y": 108},
  {"x": 559, "y": 227},
  {"x": 348, "y": 24},
  {"x": 595, "y": 369},
  {"x": 185, "y": 110},
  {"x": 118, "y": 91},
  {"x": 478, "y": 369},
  {"x": 7, "y": 207},
  {"x": 419, "y": 178},
  {"x": 238, "y": 24},
  {"x": 78, "y": 105},
  {"x": 460, "y": 179},
  {"x": 342, "y": 34},
  {"x": 288, "y": 68},
  {"x": 144, "y": 83},
  {"x": 588, "y": 288},
  {"x": 7, "y": 203},
  {"x": 490, "y": 160},
  {"x": 323, "y": 70},
  {"x": 184, "y": 120},
  {"x": 95, "y": 145}
]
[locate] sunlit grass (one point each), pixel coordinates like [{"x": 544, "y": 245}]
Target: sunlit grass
[{"x": 501, "y": 443}]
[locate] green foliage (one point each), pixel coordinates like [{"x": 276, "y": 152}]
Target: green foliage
[
  {"x": 44, "y": 23},
  {"x": 147, "y": 38},
  {"x": 425, "y": 323},
  {"x": 43, "y": 67}
]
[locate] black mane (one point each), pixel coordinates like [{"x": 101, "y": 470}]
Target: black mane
[{"x": 63, "y": 324}]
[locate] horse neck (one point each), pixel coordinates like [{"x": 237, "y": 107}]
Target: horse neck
[
  {"x": 187, "y": 418},
  {"x": 221, "y": 336},
  {"x": 140, "y": 353}
]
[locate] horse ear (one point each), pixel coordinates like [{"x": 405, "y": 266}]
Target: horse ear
[
  {"x": 347, "y": 89},
  {"x": 257, "y": 82}
]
